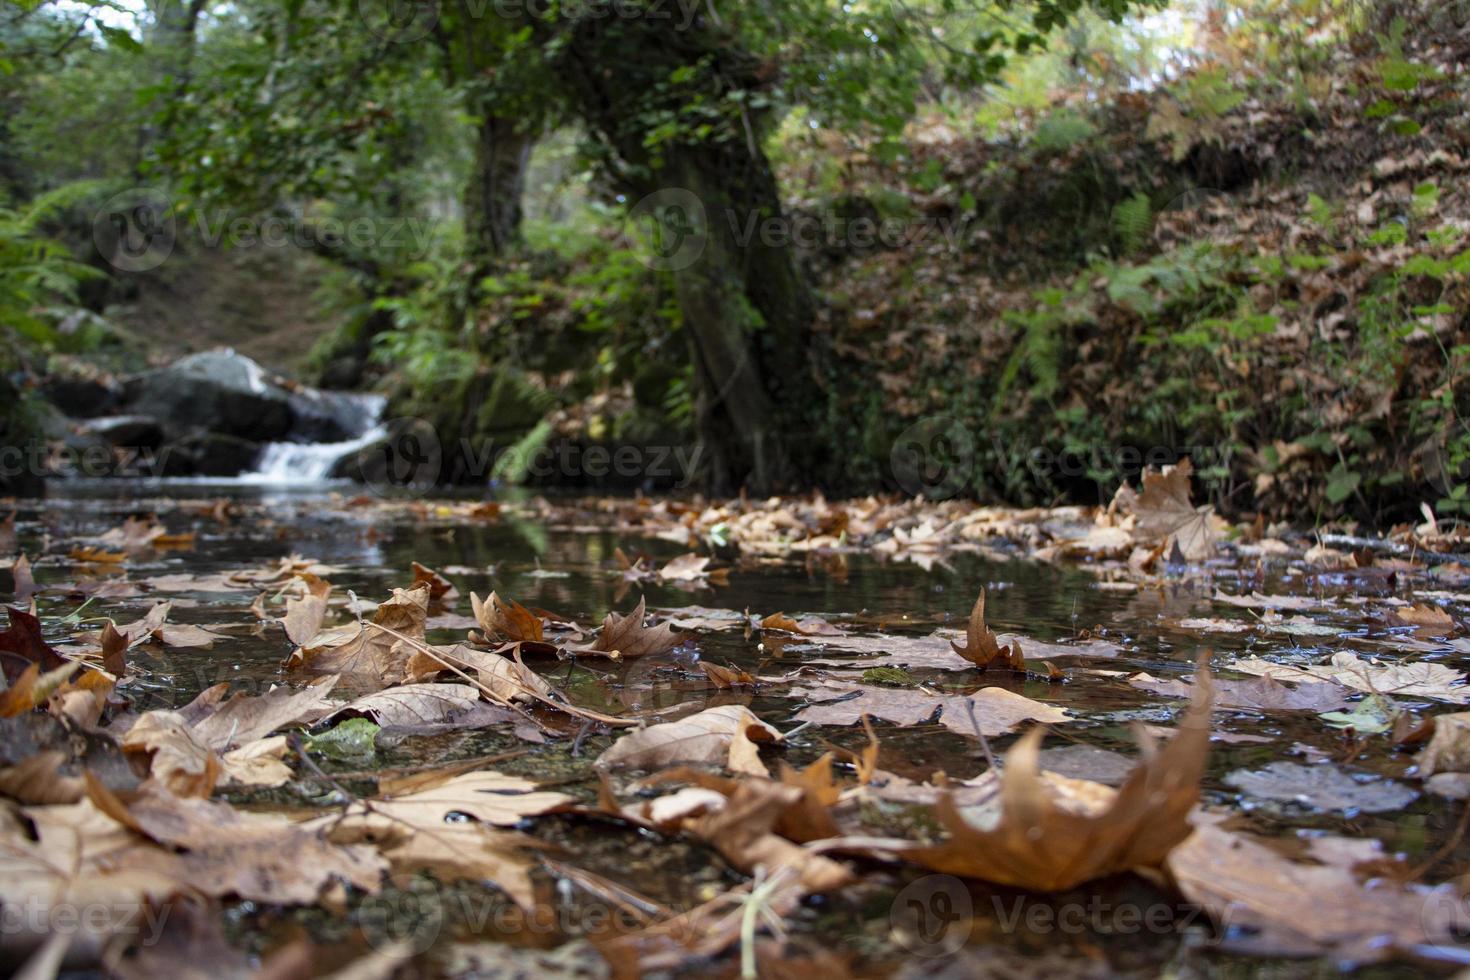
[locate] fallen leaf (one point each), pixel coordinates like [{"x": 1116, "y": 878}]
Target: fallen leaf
[
  {"x": 373, "y": 655},
  {"x": 716, "y": 735},
  {"x": 506, "y": 619},
  {"x": 1321, "y": 787},
  {"x": 1041, "y": 840},
  {"x": 624, "y": 637},
  {"x": 1164, "y": 511},
  {"x": 1423, "y": 680},
  {"x": 1274, "y": 906},
  {"x": 981, "y": 647},
  {"x": 1260, "y": 694},
  {"x": 304, "y": 617},
  {"x": 441, "y": 590},
  {"x": 996, "y": 710},
  {"x": 1449, "y": 747},
  {"x": 22, "y": 645}
]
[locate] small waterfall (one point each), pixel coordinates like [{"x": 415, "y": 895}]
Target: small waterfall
[{"x": 312, "y": 462}]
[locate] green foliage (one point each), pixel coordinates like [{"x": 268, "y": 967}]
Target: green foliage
[
  {"x": 1133, "y": 222},
  {"x": 35, "y": 271}
]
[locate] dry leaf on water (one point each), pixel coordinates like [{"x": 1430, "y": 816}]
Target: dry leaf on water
[
  {"x": 1164, "y": 511},
  {"x": 192, "y": 749},
  {"x": 996, "y": 711},
  {"x": 725, "y": 735},
  {"x": 427, "y": 707},
  {"x": 625, "y": 637},
  {"x": 508, "y": 680},
  {"x": 414, "y": 830},
  {"x": 1423, "y": 680},
  {"x": 372, "y": 655},
  {"x": 22, "y": 645},
  {"x": 1271, "y": 905},
  {"x": 441, "y": 590},
  {"x": 1042, "y": 841},
  {"x": 506, "y": 620},
  {"x": 981, "y": 647},
  {"x": 1259, "y": 694}
]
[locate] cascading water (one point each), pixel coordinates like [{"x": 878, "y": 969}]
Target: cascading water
[{"x": 312, "y": 462}]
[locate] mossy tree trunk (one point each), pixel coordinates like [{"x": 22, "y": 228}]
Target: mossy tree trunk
[
  {"x": 492, "y": 199},
  {"x": 746, "y": 309}
]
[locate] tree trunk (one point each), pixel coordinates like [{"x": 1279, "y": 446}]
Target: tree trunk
[
  {"x": 492, "y": 199},
  {"x": 746, "y": 309}
]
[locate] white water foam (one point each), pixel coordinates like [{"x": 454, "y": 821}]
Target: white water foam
[{"x": 312, "y": 462}]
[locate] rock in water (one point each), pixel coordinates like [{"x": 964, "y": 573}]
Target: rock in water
[{"x": 219, "y": 391}]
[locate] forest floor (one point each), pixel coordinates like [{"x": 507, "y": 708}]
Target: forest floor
[{"x": 284, "y": 733}]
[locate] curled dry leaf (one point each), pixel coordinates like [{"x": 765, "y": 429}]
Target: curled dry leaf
[
  {"x": 22, "y": 645},
  {"x": 304, "y": 617},
  {"x": 506, "y": 620},
  {"x": 981, "y": 647},
  {"x": 625, "y": 637},
  {"x": 1449, "y": 747},
  {"x": 725, "y": 735},
  {"x": 807, "y": 626},
  {"x": 441, "y": 590},
  {"x": 371, "y": 655},
  {"x": 508, "y": 680},
  {"x": 1042, "y": 841}
]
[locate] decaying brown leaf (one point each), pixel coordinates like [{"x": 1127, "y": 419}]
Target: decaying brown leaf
[
  {"x": 1279, "y": 907},
  {"x": 371, "y": 655},
  {"x": 1040, "y": 840},
  {"x": 506, "y": 620},
  {"x": 981, "y": 647},
  {"x": 725, "y": 735},
  {"x": 1164, "y": 511},
  {"x": 625, "y": 637}
]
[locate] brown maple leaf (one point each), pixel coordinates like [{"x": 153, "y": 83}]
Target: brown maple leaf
[
  {"x": 1164, "y": 511},
  {"x": 982, "y": 648},
  {"x": 625, "y": 637}
]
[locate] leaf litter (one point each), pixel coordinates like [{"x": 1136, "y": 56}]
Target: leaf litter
[{"x": 813, "y": 753}]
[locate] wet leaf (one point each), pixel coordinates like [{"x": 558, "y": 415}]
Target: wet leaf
[
  {"x": 1259, "y": 694},
  {"x": 725, "y": 735},
  {"x": 1279, "y": 907},
  {"x": 981, "y": 647},
  {"x": 1422, "y": 680},
  {"x": 996, "y": 711},
  {"x": 625, "y": 637},
  {"x": 1322, "y": 787},
  {"x": 1039, "y": 840}
]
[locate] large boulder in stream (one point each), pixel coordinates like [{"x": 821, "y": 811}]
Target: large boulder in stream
[
  {"x": 218, "y": 391},
  {"x": 227, "y": 393}
]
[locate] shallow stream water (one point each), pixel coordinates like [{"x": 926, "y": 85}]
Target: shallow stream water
[{"x": 575, "y": 575}]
